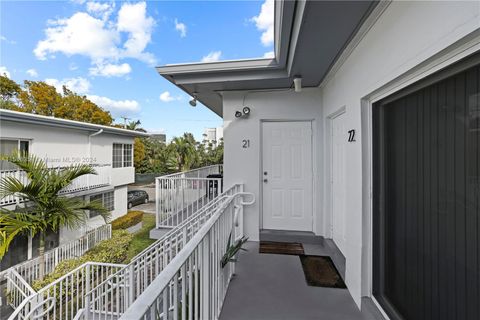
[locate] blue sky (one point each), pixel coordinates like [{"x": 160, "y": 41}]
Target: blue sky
[{"x": 108, "y": 50}]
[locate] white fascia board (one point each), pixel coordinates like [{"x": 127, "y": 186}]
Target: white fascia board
[
  {"x": 222, "y": 77},
  {"x": 220, "y": 66},
  {"x": 23, "y": 117},
  {"x": 284, "y": 16}
]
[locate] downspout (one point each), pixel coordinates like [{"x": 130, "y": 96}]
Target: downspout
[
  {"x": 90, "y": 151},
  {"x": 90, "y": 142}
]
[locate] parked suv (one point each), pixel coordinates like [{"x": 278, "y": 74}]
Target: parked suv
[{"x": 136, "y": 197}]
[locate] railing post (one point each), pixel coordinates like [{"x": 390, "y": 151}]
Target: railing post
[
  {"x": 87, "y": 295},
  {"x": 131, "y": 285}
]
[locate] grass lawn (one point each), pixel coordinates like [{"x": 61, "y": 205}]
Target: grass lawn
[{"x": 141, "y": 239}]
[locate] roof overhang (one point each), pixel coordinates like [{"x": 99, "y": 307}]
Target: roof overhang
[
  {"x": 309, "y": 36},
  {"x": 23, "y": 117}
]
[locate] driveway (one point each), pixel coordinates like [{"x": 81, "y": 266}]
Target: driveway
[{"x": 150, "y": 206}]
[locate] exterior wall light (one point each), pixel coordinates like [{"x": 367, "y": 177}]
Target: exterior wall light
[{"x": 193, "y": 102}]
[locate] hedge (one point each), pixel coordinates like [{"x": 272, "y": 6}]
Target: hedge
[
  {"x": 113, "y": 250},
  {"x": 128, "y": 220}
]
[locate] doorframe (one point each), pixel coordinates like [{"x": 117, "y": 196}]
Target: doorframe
[
  {"x": 328, "y": 217},
  {"x": 459, "y": 50},
  {"x": 314, "y": 168}
]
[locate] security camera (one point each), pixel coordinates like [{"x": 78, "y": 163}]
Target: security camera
[
  {"x": 246, "y": 111},
  {"x": 238, "y": 114}
]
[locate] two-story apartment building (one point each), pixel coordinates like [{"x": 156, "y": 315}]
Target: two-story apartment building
[
  {"x": 363, "y": 129},
  {"x": 62, "y": 143}
]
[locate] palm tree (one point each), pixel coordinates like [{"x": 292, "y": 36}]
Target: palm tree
[
  {"x": 135, "y": 126},
  {"x": 182, "y": 155},
  {"x": 44, "y": 209}
]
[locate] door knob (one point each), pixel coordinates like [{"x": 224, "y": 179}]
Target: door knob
[{"x": 265, "y": 180}]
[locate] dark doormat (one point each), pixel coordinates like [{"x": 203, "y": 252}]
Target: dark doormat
[
  {"x": 281, "y": 248},
  {"x": 321, "y": 272}
]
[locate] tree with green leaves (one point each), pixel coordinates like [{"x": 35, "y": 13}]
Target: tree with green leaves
[
  {"x": 44, "y": 210},
  {"x": 41, "y": 98}
]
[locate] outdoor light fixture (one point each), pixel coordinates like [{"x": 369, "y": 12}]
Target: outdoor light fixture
[
  {"x": 243, "y": 114},
  {"x": 297, "y": 82},
  {"x": 193, "y": 102}
]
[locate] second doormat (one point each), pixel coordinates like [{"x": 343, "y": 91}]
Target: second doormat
[
  {"x": 321, "y": 272},
  {"x": 281, "y": 248}
]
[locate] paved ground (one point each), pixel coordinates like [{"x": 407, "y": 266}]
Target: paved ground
[
  {"x": 273, "y": 287},
  {"x": 150, "y": 206}
]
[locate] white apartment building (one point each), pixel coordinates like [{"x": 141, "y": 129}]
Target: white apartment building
[
  {"x": 63, "y": 143},
  {"x": 213, "y": 135}
]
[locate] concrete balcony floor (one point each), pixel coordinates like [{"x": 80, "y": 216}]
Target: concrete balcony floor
[{"x": 271, "y": 286}]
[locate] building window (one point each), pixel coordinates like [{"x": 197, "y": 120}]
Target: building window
[
  {"x": 106, "y": 199},
  {"x": 7, "y": 147},
  {"x": 122, "y": 155},
  {"x": 127, "y": 155}
]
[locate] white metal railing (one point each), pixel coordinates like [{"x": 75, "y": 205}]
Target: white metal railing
[
  {"x": 194, "y": 284},
  {"x": 30, "y": 269},
  {"x": 17, "y": 174},
  {"x": 114, "y": 296},
  {"x": 91, "y": 181},
  {"x": 17, "y": 289},
  {"x": 179, "y": 195},
  {"x": 63, "y": 298},
  {"x": 85, "y": 182}
]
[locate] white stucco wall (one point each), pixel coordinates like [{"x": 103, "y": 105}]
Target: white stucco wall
[
  {"x": 243, "y": 165},
  {"x": 120, "y": 208},
  {"x": 405, "y": 35},
  {"x": 63, "y": 147}
]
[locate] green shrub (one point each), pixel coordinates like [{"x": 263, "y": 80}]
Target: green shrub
[
  {"x": 128, "y": 220},
  {"x": 113, "y": 250}
]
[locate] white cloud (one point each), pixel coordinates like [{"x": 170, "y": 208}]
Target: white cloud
[
  {"x": 101, "y": 9},
  {"x": 269, "y": 54},
  {"x": 132, "y": 18},
  {"x": 265, "y": 22},
  {"x": 78, "y": 85},
  {"x": 32, "y": 73},
  {"x": 3, "y": 38},
  {"x": 72, "y": 67},
  {"x": 116, "y": 107},
  {"x": 4, "y": 71},
  {"x": 101, "y": 38},
  {"x": 167, "y": 97},
  {"x": 75, "y": 36},
  {"x": 212, "y": 56},
  {"x": 181, "y": 27},
  {"x": 110, "y": 70}
]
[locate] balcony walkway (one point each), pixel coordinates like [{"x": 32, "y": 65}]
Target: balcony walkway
[{"x": 273, "y": 287}]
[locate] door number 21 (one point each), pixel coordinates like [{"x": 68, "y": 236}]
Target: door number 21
[{"x": 245, "y": 143}]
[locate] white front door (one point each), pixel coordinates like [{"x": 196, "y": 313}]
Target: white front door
[
  {"x": 338, "y": 140},
  {"x": 287, "y": 175}
]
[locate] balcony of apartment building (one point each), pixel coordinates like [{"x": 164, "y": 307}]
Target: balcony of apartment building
[{"x": 101, "y": 179}]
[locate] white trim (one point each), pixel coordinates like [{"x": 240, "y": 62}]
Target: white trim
[
  {"x": 328, "y": 194},
  {"x": 23, "y": 117},
  {"x": 454, "y": 53}
]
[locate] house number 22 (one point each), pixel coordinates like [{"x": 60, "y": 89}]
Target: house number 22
[
  {"x": 245, "y": 143},
  {"x": 351, "y": 135}
]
